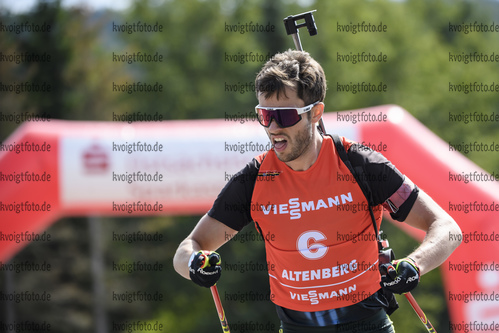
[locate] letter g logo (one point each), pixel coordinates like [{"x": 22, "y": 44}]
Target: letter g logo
[{"x": 308, "y": 246}]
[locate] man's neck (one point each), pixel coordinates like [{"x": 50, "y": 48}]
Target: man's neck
[{"x": 309, "y": 156}]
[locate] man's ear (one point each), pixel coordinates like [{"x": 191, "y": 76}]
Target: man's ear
[{"x": 317, "y": 112}]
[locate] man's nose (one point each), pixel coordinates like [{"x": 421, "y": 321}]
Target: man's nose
[{"x": 273, "y": 125}]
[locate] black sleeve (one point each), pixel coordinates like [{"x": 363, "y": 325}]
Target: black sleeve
[
  {"x": 233, "y": 205},
  {"x": 388, "y": 185}
]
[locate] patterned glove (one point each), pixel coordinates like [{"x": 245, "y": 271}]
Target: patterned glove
[
  {"x": 400, "y": 276},
  {"x": 205, "y": 268}
]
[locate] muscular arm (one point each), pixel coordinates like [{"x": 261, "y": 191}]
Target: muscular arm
[
  {"x": 411, "y": 205},
  {"x": 231, "y": 208},
  {"x": 209, "y": 234},
  {"x": 436, "y": 247}
]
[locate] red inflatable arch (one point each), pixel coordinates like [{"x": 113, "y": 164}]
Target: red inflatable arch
[{"x": 89, "y": 163}]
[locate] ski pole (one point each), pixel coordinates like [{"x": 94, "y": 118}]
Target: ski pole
[
  {"x": 216, "y": 298},
  {"x": 420, "y": 313},
  {"x": 390, "y": 270},
  {"x": 220, "y": 309}
]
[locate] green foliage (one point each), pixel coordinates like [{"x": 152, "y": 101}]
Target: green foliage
[{"x": 195, "y": 74}]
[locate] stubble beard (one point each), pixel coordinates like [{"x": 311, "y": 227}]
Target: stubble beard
[{"x": 300, "y": 144}]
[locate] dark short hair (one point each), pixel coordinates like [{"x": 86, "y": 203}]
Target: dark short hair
[{"x": 294, "y": 69}]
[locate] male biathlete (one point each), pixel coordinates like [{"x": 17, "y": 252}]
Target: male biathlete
[{"x": 324, "y": 250}]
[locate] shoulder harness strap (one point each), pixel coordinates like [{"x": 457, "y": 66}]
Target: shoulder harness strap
[{"x": 358, "y": 175}]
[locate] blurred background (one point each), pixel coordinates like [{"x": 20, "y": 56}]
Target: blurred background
[{"x": 198, "y": 77}]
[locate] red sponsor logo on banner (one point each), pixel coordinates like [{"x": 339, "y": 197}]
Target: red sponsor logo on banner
[{"x": 95, "y": 159}]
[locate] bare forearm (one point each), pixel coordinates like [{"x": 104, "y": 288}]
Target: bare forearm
[
  {"x": 181, "y": 258},
  {"x": 209, "y": 234},
  {"x": 437, "y": 246}
]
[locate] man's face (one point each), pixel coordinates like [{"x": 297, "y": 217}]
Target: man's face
[{"x": 290, "y": 142}]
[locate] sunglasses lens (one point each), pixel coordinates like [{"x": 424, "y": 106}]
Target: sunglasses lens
[
  {"x": 283, "y": 117},
  {"x": 265, "y": 116}
]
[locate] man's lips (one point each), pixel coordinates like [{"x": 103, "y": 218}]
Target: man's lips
[{"x": 279, "y": 142}]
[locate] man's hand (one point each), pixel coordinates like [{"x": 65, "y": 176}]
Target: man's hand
[
  {"x": 400, "y": 276},
  {"x": 205, "y": 268}
]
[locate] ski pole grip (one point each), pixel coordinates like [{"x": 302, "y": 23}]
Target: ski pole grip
[
  {"x": 214, "y": 259},
  {"x": 385, "y": 256}
]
